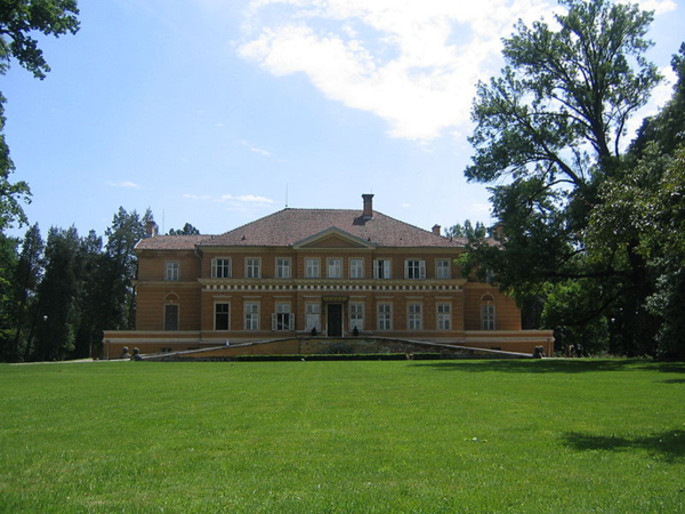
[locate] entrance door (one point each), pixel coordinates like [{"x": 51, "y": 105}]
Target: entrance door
[{"x": 334, "y": 317}]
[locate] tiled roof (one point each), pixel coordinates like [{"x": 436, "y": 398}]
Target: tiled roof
[
  {"x": 289, "y": 226},
  {"x": 170, "y": 242}
]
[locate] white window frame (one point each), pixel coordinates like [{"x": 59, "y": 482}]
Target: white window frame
[
  {"x": 222, "y": 270},
  {"x": 251, "y": 315},
  {"x": 444, "y": 315},
  {"x": 384, "y": 316},
  {"x": 313, "y": 316},
  {"x": 357, "y": 267},
  {"x": 253, "y": 267},
  {"x": 334, "y": 267},
  {"x": 414, "y": 269},
  {"x": 443, "y": 269},
  {"x": 227, "y": 313},
  {"x": 172, "y": 271},
  {"x": 356, "y": 315},
  {"x": 283, "y": 267},
  {"x": 312, "y": 267},
  {"x": 488, "y": 315},
  {"x": 382, "y": 268},
  {"x": 282, "y": 318},
  {"x": 414, "y": 316}
]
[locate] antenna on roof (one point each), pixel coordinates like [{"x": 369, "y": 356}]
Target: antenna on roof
[{"x": 286, "y": 196}]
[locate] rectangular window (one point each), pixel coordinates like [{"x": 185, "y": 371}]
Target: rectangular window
[
  {"x": 414, "y": 316},
  {"x": 282, "y": 267},
  {"x": 335, "y": 268},
  {"x": 172, "y": 271},
  {"x": 487, "y": 312},
  {"x": 282, "y": 319},
  {"x": 253, "y": 267},
  {"x": 357, "y": 316},
  {"x": 171, "y": 317},
  {"x": 251, "y": 316},
  {"x": 221, "y": 267},
  {"x": 414, "y": 269},
  {"x": 444, "y": 316},
  {"x": 311, "y": 267},
  {"x": 381, "y": 268},
  {"x": 221, "y": 316},
  {"x": 442, "y": 269},
  {"x": 313, "y": 313},
  {"x": 356, "y": 268},
  {"x": 384, "y": 316}
]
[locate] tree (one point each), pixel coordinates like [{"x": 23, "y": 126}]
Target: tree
[
  {"x": 26, "y": 278},
  {"x": 20, "y": 20},
  {"x": 467, "y": 231},
  {"x": 187, "y": 230},
  {"x": 57, "y": 313},
  {"x": 549, "y": 130}
]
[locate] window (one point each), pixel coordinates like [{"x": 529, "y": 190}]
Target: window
[
  {"x": 487, "y": 313},
  {"x": 313, "y": 314},
  {"x": 172, "y": 269},
  {"x": 381, "y": 268},
  {"x": 357, "y": 316},
  {"x": 384, "y": 316},
  {"x": 221, "y": 267},
  {"x": 356, "y": 268},
  {"x": 253, "y": 267},
  {"x": 251, "y": 316},
  {"x": 171, "y": 317},
  {"x": 335, "y": 268},
  {"x": 311, "y": 265},
  {"x": 282, "y": 267},
  {"x": 414, "y": 269},
  {"x": 282, "y": 319},
  {"x": 442, "y": 269},
  {"x": 221, "y": 316},
  {"x": 414, "y": 316},
  {"x": 444, "y": 316}
]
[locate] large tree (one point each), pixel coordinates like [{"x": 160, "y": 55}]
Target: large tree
[
  {"x": 549, "y": 130},
  {"x": 20, "y": 21}
]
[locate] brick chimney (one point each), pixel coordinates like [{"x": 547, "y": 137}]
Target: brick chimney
[
  {"x": 367, "y": 214},
  {"x": 436, "y": 229},
  {"x": 151, "y": 229}
]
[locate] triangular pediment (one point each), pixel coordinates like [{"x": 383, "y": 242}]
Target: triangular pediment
[{"x": 333, "y": 237}]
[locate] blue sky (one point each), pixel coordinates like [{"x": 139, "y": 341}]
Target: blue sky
[{"x": 215, "y": 112}]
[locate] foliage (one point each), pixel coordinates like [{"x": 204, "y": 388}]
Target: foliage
[
  {"x": 187, "y": 230},
  {"x": 467, "y": 230},
  {"x": 20, "y": 21},
  {"x": 549, "y": 133},
  {"x": 433, "y": 436},
  {"x": 57, "y": 299}
]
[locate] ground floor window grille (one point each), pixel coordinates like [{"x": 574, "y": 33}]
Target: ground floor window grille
[
  {"x": 444, "y": 316},
  {"x": 357, "y": 316},
  {"x": 384, "y": 316},
  {"x": 414, "y": 316},
  {"x": 251, "y": 316}
]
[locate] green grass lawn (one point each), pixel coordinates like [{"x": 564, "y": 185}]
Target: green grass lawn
[{"x": 430, "y": 436}]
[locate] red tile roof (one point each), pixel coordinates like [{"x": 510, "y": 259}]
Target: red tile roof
[{"x": 290, "y": 226}]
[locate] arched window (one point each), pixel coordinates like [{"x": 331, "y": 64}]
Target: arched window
[
  {"x": 487, "y": 312},
  {"x": 171, "y": 311}
]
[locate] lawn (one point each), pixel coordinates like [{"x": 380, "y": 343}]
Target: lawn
[{"x": 407, "y": 436}]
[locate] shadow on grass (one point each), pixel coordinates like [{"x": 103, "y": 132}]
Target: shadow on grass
[
  {"x": 668, "y": 445},
  {"x": 547, "y": 366}
]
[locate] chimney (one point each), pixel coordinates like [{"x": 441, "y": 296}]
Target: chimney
[
  {"x": 368, "y": 206},
  {"x": 436, "y": 229},
  {"x": 151, "y": 228}
]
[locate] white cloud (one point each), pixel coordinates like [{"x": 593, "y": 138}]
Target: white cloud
[
  {"x": 124, "y": 183},
  {"x": 413, "y": 63},
  {"x": 254, "y": 148},
  {"x": 235, "y": 199}
]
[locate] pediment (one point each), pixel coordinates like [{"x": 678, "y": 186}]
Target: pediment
[{"x": 333, "y": 238}]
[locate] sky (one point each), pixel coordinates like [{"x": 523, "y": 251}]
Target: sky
[{"x": 219, "y": 112}]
